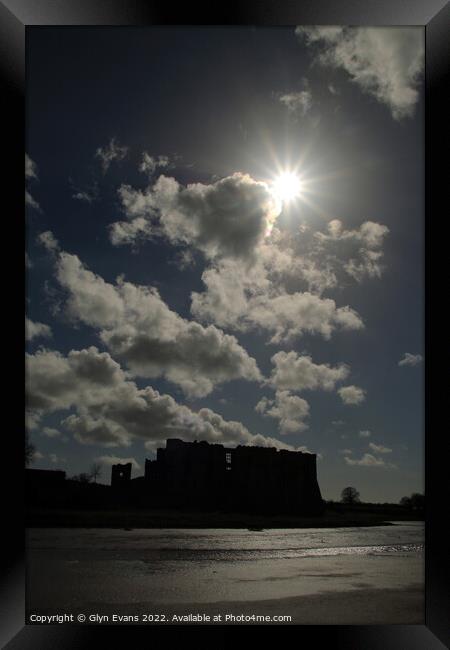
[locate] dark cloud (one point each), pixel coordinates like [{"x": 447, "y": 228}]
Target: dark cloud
[{"x": 228, "y": 218}]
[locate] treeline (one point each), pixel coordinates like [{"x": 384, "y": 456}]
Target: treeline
[{"x": 351, "y": 497}]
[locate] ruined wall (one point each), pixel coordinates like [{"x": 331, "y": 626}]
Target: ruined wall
[
  {"x": 120, "y": 475},
  {"x": 199, "y": 475}
]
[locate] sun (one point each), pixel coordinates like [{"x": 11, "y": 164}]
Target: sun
[{"x": 287, "y": 187}]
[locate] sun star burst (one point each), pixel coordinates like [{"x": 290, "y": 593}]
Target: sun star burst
[{"x": 287, "y": 187}]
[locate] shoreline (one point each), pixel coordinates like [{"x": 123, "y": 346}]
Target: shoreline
[{"x": 173, "y": 519}]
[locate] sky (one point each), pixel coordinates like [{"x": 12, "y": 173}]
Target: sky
[{"x": 225, "y": 242}]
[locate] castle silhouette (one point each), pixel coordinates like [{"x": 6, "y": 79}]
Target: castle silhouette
[{"x": 200, "y": 475}]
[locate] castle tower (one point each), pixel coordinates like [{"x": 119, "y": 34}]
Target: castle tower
[{"x": 120, "y": 475}]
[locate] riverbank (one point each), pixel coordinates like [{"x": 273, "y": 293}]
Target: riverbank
[{"x": 58, "y": 518}]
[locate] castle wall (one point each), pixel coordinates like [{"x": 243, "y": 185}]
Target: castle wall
[{"x": 199, "y": 475}]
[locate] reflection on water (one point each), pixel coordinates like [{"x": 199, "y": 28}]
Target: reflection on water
[
  {"x": 102, "y": 566},
  {"x": 231, "y": 544}
]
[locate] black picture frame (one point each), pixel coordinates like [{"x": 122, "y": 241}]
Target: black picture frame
[{"x": 434, "y": 16}]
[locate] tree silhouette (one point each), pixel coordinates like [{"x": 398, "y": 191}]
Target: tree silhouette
[
  {"x": 96, "y": 471},
  {"x": 30, "y": 450},
  {"x": 82, "y": 478},
  {"x": 350, "y": 495},
  {"x": 415, "y": 501}
]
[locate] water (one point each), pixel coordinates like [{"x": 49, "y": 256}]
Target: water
[
  {"x": 231, "y": 544},
  {"x": 72, "y": 567}
]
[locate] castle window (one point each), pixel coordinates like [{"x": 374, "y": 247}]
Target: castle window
[{"x": 228, "y": 460}]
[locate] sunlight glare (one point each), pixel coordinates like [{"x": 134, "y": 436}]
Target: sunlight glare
[{"x": 287, "y": 186}]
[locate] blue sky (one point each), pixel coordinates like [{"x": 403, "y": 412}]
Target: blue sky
[{"x": 173, "y": 290}]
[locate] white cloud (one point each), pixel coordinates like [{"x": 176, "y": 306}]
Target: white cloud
[
  {"x": 30, "y": 201},
  {"x": 352, "y": 395},
  {"x": 410, "y": 359},
  {"x": 56, "y": 382},
  {"x": 47, "y": 239},
  {"x": 86, "y": 194},
  {"x": 153, "y": 341},
  {"x": 290, "y": 410},
  {"x": 30, "y": 174},
  {"x": 292, "y": 315},
  {"x": 255, "y": 272},
  {"x": 358, "y": 252},
  {"x": 111, "y": 152},
  {"x": 379, "y": 449},
  {"x": 111, "y": 411},
  {"x": 130, "y": 232},
  {"x": 50, "y": 432},
  {"x": 90, "y": 298},
  {"x": 185, "y": 259},
  {"x": 292, "y": 258},
  {"x": 150, "y": 164},
  {"x": 83, "y": 196},
  {"x": 320, "y": 261},
  {"x": 296, "y": 373},
  {"x": 34, "y": 330},
  {"x": 137, "y": 203},
  {"x": 226, "y": 299},
  {"x": 365, "y": 434},
  {"x": 369, "y": 233},
  {"x": 238, "y": 298},
  {"x": 115, "y": 460},
  {"x": 299, "y": 103},
  {"x": 30, "y": 168},
  {"x": 56, "y": 460},
  {"x": 386, "y": 63},
  {"x": 368, "y": 460},
  {"x": 281, "y": 290}
]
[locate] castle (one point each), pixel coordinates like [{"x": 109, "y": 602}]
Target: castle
[{"x": 204, "y": 476}]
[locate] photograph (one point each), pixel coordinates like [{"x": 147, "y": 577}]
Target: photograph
[{"x": 225, "y": 311}]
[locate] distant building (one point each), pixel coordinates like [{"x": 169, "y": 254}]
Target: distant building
[
  {"x": 120, "y": 475},
  {"x": 199, "y": 475}
]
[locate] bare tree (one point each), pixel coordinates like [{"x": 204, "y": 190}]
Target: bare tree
[
  {"x": 96, "y": 471},
  {"x": 350, "y": 495},
  {"x": 82, "y": 478}
]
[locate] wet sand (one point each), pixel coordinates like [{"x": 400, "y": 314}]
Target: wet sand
[
  {"x": 327, "y": 591},
  {"x": 95, "y": 574},
  {"x": 362, "y": 607}
]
